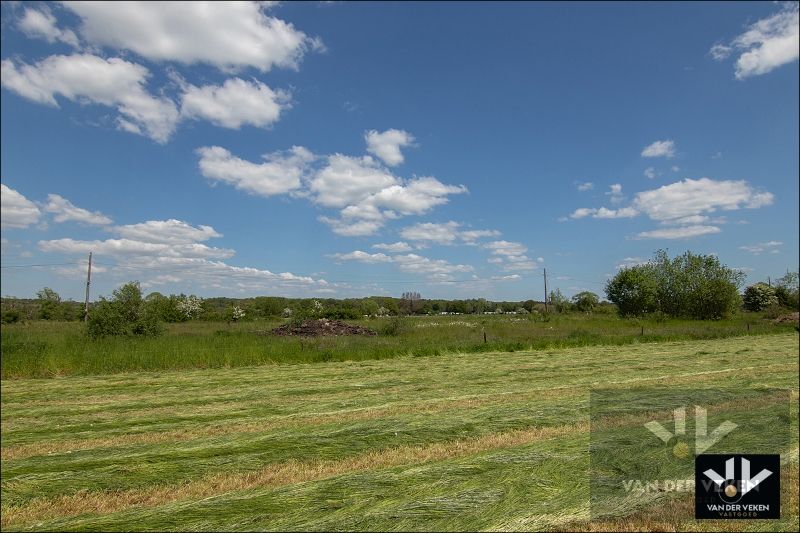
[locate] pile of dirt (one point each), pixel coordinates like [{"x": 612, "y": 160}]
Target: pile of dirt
[
  {"x": 792, "y": 317},
  {"x": 315, "y": 328}
]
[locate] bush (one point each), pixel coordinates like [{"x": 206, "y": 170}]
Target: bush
[
  {"x": 634, "y": 291},
  {"x": 786, "y": 290},
  {"x": 759, "y": 296},
  {"x": 585, "y": 301},
  {"x": 11, "y": 316},
  {"x": 126, "y": 313},
  {"x": 690, "y": 285}
]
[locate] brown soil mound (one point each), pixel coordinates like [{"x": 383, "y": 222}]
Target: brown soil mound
[
  {"x": 792, "y": 317},
  {"x": 314, "y": 328}
]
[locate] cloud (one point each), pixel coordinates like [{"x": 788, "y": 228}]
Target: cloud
[
  {"x": 364, "y": 191},
  {"x": 604, "y": 212},
  {"x": 720, "y": 52},
  {"x": 650, "y": 172},
  {"x": 471, "y": 236},
  {"x": 386, "y": 145},
  {"x": 660, "y": 149},
  {"x": 417, "y": 264},
  {"x": 362, "y": 257},
  {"x": 127, "y": 247},
  {"x": 757, "y": 249},
  {"x": 766, "y": 45},
  {"x": 630, "y": 262},
  {"x": 42, "y": 24},
  {"x": 348, "y": 180},
  {"x": 585, "y": 186},
  {"x": 415, "y": 196},
  {"x": 694, "y": 197},
  {"x": 352, "y": 228},
  {"x": 86, "y": 78},
  {"x": 279, "y": 174},
  {"x": 686, "y": 204},
  {"x": 717, "y": 155},
  {"x": 228, "y": 35},
  {"x": 615, "y": 193},
  {"x": 675, "y": 168},
  {"x": 512, "y": 255},
  {"x": 444, "y": 233},
  {"x": 235, "y": 103},
  {"x": 396, "y": 247},
  {"x": 16, "y": 211},
  {"x": 680, "y": 232},
  {"x": 65, "y": 211},
  {"x": 166, "y": 231}
]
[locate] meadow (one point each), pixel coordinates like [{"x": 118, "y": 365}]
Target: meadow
[
  {"x": 493, "y": 440},
  {"x": 49, "y": 348}
]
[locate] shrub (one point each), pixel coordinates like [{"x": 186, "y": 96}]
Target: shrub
[
  {"x": 11, "y": 316},
  {"x": 786, "y": 290},
  {"x": 585, "y": 301},
  {"x": 690, "y": 285},
  {"x": 126, "y": 313},
  {"x": 759, "y": 296}
]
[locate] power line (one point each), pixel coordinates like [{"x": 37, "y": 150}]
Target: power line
[{"x": 39, "y": 265}]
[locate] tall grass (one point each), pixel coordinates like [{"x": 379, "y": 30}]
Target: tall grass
[{"x": 49, "y": 349}]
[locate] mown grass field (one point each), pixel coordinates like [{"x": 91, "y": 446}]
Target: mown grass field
[
  {"x": 463, "y": 441},
  {"x": 47, "y": 349}
]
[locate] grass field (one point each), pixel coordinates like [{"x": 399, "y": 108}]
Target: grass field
[
  {"x": 47, "y": 349},
  {"x": 463, "y": 441}
]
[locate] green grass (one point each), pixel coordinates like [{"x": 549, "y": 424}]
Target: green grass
[
  {"x": 47, "y": 349},
  {"x": 457, "y": 442}
]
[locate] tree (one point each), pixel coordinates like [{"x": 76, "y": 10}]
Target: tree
[
  {"x": 690, "y": 285},
  {"x": 126, "y": 313},
  {"x": 559, "y": 301},
  {"x": 410, "y": 300},
  {"x": 585, "y": 301},
  {"x": 786, "y": 289},
  {"x": 49, "y": 304},
  {"x": 759, "y": 296}
]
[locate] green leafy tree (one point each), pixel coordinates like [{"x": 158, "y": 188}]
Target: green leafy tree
[
  {"x": 126, "y": 313},
  {"x": 759, "y": 297},
  {"x": 786, "y": 289},
  {"x": 49, "y": 304},
  {"x": 690, "y": 285},
  {"x": 585, "y": 301},
  {"x": 634, "y": 291},
  {"x": 559, "y": 302}
]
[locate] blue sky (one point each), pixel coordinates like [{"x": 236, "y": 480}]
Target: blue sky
[{"x": 354, "y": 149}]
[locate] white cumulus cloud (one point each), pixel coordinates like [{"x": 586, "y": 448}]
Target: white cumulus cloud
[
  {"x": 16, "y": 211},
  {"x": 166, "y": 231},
  {"x": 227, "y": 35},
  {"x": 64, "y": 210},
  {"x": 766, "y": 45},
  {"x": 660, "y": 149},
  {"x": 87, "y": 78},
  {"x": 386, "y": 145},
  {"x": 396, "y": 247},
  {"x": 235, "y": 103},
  {"x": 42, "y": 24},
  {"x": 280, "y": 173}
]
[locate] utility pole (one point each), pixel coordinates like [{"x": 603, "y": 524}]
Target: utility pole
[
  {"x": 88, "y": 282},
  {"x": 769, "y": 281},
  {"x": 545, "y": 290}
]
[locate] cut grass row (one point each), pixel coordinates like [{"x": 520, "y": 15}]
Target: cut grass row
[
  {"x": 48, "y": 349},
  {"x": 301, "y": 446}
]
